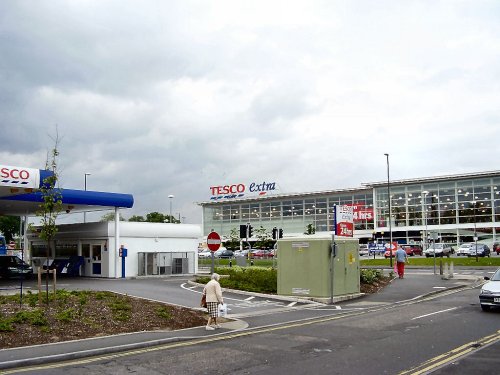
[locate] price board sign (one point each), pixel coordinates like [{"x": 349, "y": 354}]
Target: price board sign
[{"x": 343, "y": 221}]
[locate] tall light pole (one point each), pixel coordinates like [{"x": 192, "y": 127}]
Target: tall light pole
[
  {"x": 85, "y": 187},
  {"x": 170, "y": 197},
  {"x": 425, "y": 193},
  {"x": 390, "y": 211}
]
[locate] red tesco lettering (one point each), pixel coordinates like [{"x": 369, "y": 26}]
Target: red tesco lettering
[
  {"x": 227, "y": 189},
  {"x": 17, "y": 174}
]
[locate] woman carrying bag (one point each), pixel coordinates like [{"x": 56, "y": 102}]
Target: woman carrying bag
[{"x": 213, "y": 293}]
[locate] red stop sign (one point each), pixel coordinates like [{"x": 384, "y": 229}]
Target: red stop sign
[{"x": 213, "y": 241}]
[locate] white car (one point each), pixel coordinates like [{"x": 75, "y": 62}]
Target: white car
[
  {"x": 490, "y": 292},
  {"x": 363, "y": 250},
  {"x": 464, "y": 249},
  {"x": 205, "y": 254},
  {"x": 441, "y": 250}
]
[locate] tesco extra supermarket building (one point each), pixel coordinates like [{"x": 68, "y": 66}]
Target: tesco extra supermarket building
[{"x": 452, "y": 207}]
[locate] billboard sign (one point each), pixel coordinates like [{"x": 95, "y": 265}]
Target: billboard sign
[
  {"x": 241, "y": 190},
  {"x": 343, "y": 221}
]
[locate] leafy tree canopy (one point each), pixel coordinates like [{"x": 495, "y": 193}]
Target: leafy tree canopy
[{"x": 9, "y": 226}]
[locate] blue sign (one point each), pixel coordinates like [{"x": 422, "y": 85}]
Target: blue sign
[{"x": 376, "y": 248}]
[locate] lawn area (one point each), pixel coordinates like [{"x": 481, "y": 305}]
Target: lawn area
[{"x": 422, "y": 261}]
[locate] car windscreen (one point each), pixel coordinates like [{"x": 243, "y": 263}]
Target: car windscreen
[{"x": 496, "y": 276}]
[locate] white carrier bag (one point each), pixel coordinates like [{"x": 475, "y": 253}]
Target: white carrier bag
[{"x": 222, "y": 309}]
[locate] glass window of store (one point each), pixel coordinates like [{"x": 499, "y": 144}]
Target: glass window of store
[
  {"x": 398, "y": 207},
  {"x": 363, "y": 212},
  {"x": 254, "y": 211},
  {"x": 287, "y": 209},
  {"x": 414, "y": 205},
  {"x": 226, "y": 213},
  {"x": 235, "y": 213},
  {"x": 245, "y": 212},
  {"x": 496, "y": 199},
  {"x": 431, "y": 203},
  {"x": 465, "y": 193},
  {"x": 298, "y": 209},
  {"x": 275, "y": 210},
  {"x": 382, "y": 207},
  {"x": 309, "y": 210},
  {"x": 321, "y": 211},
  {"x": 265, "y": 210},
  {"x": 482, "y": 201},
  {"x": 447, "y": 206}
]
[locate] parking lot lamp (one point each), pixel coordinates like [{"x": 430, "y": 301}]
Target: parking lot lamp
[
  {"x": 170, "y": 197},
  {"x": 426, "y": 238},
  {"x": 85, "y": 187}
]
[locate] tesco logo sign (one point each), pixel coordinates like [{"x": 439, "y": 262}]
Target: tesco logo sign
[
  {"x": 17, "y": 174},
  {"x": 239, "y": 190}
]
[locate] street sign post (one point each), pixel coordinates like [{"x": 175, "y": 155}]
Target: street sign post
[{"x": 213, "y": 243}]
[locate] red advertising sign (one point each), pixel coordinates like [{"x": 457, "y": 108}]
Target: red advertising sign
[
  {"x": 213, "y": 241},
  {"x": 361, "y": 212},
  {"x": 344, "y": 221}
]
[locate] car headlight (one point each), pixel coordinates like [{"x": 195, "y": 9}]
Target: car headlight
[{"x": 486, "y": 291}]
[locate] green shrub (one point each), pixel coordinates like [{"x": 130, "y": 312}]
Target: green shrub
[
  {"x": 252, "y": 279},
  {"x": 35, "y": 317},
  {"x": 370, "y": 276},
  {"x": 164, "y": 313},
  {"x": 6, "y": 325},
  {"x": 66, "y": 315}
]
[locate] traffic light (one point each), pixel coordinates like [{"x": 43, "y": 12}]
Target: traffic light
[
  {"x": 275, "y": 233},
  {"x": 250, "y": 230},
  {"x": 243, "y": 231},
  {"x": 280, "y": 233}
]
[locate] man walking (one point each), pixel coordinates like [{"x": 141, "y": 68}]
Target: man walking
[{"x": 401, "y": 259}]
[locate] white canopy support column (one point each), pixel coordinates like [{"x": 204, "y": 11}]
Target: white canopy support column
[{"x": 117, "y": 240}]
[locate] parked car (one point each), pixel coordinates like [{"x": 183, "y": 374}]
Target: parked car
[
  {"x": 441, "y": 250},
  {"x": 205, "y": 254},
  {"x": 410, "y": 250},
  {"x": 490, "y": 292},
  {"x": 12, "y": 266},
  {"x": 481, "y": 250},
  {"x": 261, "y": 254},
  {"x": 464, "y": 249},
  {"x": 363, "y": 250},
  {"x": 240, "y": 253},
  {"x": 224, "y": 254},
  {"x": 496, "y": 248}
]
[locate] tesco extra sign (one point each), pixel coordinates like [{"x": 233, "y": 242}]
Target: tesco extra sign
[
  {"x": 19, "y": 176},
  {"x": 240, "y": 190}
]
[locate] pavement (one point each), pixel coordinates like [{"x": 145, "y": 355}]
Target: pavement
[{"x": 417, "y": 283}]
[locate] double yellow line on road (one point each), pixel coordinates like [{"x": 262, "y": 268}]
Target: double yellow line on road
[{"x": 446, "y": 358}]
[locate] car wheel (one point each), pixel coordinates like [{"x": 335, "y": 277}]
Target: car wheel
[{"x": 485, "y": 307}]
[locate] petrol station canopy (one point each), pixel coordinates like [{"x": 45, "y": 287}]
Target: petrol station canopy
[{"x": 19, "y": 195}]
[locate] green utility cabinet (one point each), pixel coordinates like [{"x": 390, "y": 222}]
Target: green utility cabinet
[{"x": 304, "y": 267}]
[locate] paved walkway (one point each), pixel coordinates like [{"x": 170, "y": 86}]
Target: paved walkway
[{"x": 416, "y": 284}]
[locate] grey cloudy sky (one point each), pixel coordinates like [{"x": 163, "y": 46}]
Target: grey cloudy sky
[{"x": 171, "y": 97}]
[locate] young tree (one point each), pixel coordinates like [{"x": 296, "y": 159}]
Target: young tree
[
  {"x": 51, "y": 205},
  {"x": 110, "y": 216}
]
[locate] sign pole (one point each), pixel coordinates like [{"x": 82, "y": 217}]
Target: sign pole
[{"x": 213, "y": 243}]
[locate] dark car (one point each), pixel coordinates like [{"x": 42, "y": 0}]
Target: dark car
[
  {"x": 481, "y": 250},
  {"x": 225, "y": 254},
  {"x": 12, "y": 266}
]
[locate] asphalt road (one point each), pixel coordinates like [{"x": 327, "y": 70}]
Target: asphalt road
[{"x": 446, "y": 334}]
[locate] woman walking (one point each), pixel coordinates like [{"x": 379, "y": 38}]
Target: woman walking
[{"x": 213, "y": 293}]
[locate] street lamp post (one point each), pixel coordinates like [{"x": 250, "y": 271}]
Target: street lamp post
[
  {"x": 170, "y": 197},
  {"x": 85, "y": 187},
  {"x": 390, "y": 211}
]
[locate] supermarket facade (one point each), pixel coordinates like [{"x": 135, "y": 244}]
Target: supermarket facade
[{"x": 449, "y": 208}]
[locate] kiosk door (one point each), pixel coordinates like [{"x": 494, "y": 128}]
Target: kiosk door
[{"x": 92, "y": 255}]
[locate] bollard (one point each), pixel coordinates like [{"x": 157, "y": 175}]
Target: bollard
[
  {"x": 445, "y": 272},
  {"x": 451, "y": 270},
  {"x": 441, "y": 267},
  {"x": 251, "y": 262},
  {"x": 230, "y": 263}
]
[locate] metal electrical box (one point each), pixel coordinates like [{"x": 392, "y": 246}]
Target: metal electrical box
[{"x": 305, "y": 267}]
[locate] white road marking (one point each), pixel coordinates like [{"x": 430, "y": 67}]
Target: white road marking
[
  {"x": 249, "y": 298},
  {"x": 434, "y": 313},
  {"x": 438, "y": 287},
  {"x": 291, "y": 304}
]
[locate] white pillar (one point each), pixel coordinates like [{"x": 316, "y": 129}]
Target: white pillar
[{"x": 117, "y": 240}]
